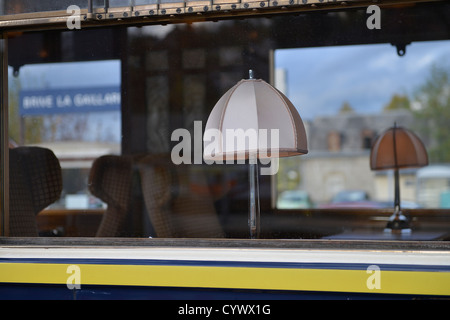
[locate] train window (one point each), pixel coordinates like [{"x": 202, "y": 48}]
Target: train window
[
  {"x": 347, "y": 111},
  {"x": 344, "y": 117},
  {"x": 72, "y": 109},
  {"x": 97, "y": 115}
]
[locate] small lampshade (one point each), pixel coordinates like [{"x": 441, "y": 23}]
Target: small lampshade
[
  {"x": 254, "y": 104},
  {"x": 398, "y": 148}
]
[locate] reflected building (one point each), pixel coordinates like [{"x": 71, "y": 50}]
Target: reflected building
[{"x": 339, "y": 157}]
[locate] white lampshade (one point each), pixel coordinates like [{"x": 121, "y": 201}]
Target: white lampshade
[{"x": 249, "y": 106}]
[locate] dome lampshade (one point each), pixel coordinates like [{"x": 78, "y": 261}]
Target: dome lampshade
[
  {"x": 398, "y": 148},
  {"x": 254, "y": 104}
]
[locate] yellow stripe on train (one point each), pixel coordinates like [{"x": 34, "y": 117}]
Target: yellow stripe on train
[{"x": 331, "y": 280}]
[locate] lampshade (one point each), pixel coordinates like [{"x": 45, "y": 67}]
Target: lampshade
[
  {"x": 398, "y": 148},
  {"x": 253, "y": 104}
]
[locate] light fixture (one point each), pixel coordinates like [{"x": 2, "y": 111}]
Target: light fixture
[
  {"x": 397, "y": 148},
  {"x": 239, "y": 126}
]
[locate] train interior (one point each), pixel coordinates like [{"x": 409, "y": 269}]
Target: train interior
[{"x": 92, "y": 116}]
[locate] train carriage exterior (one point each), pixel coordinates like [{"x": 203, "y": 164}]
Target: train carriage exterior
[{"x": 98, "y": 96}]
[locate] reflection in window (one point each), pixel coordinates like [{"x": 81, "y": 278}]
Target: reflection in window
[
  {"x": 72, "y": 109},
  {"x": 350, "y": 97},
  {"x": 170, "y": 77}
]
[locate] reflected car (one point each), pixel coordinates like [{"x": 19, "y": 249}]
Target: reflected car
[
  {"x": 361, "y": 199},
  {"x": 403, "y": 204},
  {"x": 351, "y": 196},
  {"x": 294, "y": 199},
  {"x": 352, "y": 199}
]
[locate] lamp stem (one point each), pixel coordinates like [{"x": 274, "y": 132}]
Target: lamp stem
[
  {"x": 396, "y": 190},
  {"x": 396, "y": 174},
  {"x": 398, "y": 222},
  {"x": 254, "y": 209}
]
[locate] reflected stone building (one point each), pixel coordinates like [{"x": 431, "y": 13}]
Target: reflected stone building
[{"x": 339, "y": 157}]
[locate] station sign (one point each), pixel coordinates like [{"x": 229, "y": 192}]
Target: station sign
[{"x": 73, "y": 100}]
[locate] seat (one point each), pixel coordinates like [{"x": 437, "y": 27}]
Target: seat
[
  {"x": 177, "y": 199},
  {"x": 35, "y": 182},
  {"x": 110, "y": 180}
]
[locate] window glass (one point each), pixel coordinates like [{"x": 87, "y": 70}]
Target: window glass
[
  {"x": 73, "y": 109},
  {"x": 347, "y": 100},
  {"x": 135, "y": 167}
]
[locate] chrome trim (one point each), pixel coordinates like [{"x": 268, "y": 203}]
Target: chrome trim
[
  {"x": 316, "y": 244},
  {"x": 168, "y": 12}
]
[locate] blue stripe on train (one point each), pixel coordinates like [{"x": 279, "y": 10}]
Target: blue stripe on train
[
  {"x": 248, "y": 264},
  {"x": 14, "y": 291}
]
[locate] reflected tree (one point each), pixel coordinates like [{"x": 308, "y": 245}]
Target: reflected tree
[
  {"x": 398, "y": 102},
  {"x": 432, "y": 109}
]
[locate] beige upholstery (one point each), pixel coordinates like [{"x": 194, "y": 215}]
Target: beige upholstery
[
  {"x": 110, "y": 180},
  {"x": 35, "y": 183},
  {"x": 176, "y": 201},
  {"x": 174, "y": 207}
]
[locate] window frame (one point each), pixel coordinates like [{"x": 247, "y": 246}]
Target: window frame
[{"x": 52, "y": 21}]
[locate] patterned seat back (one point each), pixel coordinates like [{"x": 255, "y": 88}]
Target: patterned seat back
[
  {"x": 177, "y": 199},
  {"x": 35, "y": 182},
  {"x": 110, "y": 180}
]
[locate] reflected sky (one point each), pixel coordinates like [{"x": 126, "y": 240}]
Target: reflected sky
[
  {"x": 69, "y": 75},
  {"x": 100, "y": 126},
  {"x": 320, "y": 80}
]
